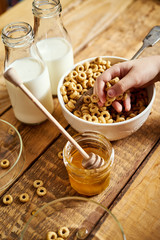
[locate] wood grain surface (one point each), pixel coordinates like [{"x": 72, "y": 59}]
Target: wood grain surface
[{"x": 111, "y": 27}]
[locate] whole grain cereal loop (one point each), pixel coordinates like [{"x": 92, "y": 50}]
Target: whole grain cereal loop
[
  {"x": 114, "y": 80},
  {"x": 84, "y": 84},
  {"x": 86, "y": 65},
  {"x": 41, "y": 191},
  {"x": 94, "y": 119},
  {"x": 120, "y": 97},
  {"x": 84, "y": 106},
  {"x": 108, "y": 64},
  {"x": 85, "y": 111},
  {"x": 94, "y": 109},
  {"x": 98, "y": 60},
  {"x": 37, "y": 183},
  {"x": 91, "y": 82},
  {"x": 60, "y": 154},
  {"x": 101, "y": 109},
  {"x": 96, "y": 74},
  {"x": 11, "y": 131},
  {"x": 104, "y": 67},
  {"x": 94, "y": 67},
  {"x": 120, "y": 118},
  {"x": 87, "y": 99},
  {"x": 105, "y": 114},
  {"x": 131, "y": 115},
  {"x": 79, "y": 87},
  {"x": 5, "y": 163},
  {"x": 83, "y": 91},
  {"x": 24, "y": 197},
  {"x": 63, "y": 90},
  {"x": 101, "y": 119},
  {"x": 63, "y": 232},
  {"x": 107, "y": 86},
  {"x": 72, "y": 86},
  {"x": 109, "y": 120},
  {"x": 77, "y": 113},
  {"x": 94, "y": 98},
  {"x": 69, "y": 109},
  {"x": 97, "y": 113},
  {"x": 73, "y": 74},
  {"x": 65, "y": 99},
  {"x": 109, "y": 101},
  {"x": 7, "y": 199},
  {"x": 51, "y": 236},
  {"x": 89, "y": 72},
  {"x": 74, "y": 95},
  {"x": 66, "y": 84},
  {"x": 87, "y": 117},
  {"x": 80, "y": 68},
  {"x": 59, "y": 238}
]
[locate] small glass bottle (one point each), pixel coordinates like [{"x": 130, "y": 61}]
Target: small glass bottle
[
  {"x": 52, "y": 39},
  {"x": 89, "y": 181},
  {"x": 22, "y": 54}
]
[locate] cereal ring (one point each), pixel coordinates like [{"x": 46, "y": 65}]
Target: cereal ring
[
  {"x": 73, "y": 74},
  {"x": 105, "y": 114},
  {"x": 94, "y": 119},
  {"x": 37, "y": 183},
  {"x": 60, "y": 154},
  {"x": 7, "y": 199},
  {"x": 11, "y": 131},
  {"x": 87, "y": 99},
  {"x": 87, "y": 117},
  {"x": 65, "y": 99},
  {"x": 94, "y": 98},
  {"x": 72, "y": 86},
  {"x": 41, "y": 191},
  {"x": 63, "y": 90},
  {"x": 91, "y": 82},
  {"x": 5, "y": 163},
  {"x": 80, "y": 68},
  {"x": 24, "y": 197},
  {"x": 63, "y": 232},
  {"x": 79, "y": 87},
  {"x": 86, "y": 65},
  {"x": 101, "y": 119},
  {"x": 51, "y": 235},
  {"x": 96, "y": 74}
]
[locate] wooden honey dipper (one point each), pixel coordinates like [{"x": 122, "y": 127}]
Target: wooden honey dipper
[{"x": 90, "y": 161}]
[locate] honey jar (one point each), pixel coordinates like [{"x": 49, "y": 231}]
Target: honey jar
[{"x": 89, "y": 181}]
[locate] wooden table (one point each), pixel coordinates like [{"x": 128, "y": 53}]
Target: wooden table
[{"x": 104, "y": 27}]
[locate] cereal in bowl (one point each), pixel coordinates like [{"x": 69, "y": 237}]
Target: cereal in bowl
[{"x": 82, "y": 78}]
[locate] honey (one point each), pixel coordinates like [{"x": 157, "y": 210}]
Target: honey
[{"x": 89, "y": 181}]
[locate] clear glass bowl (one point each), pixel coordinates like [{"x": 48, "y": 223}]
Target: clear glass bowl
[
  {"x": 80, "y": 215},
  {"x": 11, "y": 148}
]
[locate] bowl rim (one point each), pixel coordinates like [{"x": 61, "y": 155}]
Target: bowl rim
[
  {"x": 20, "y": 151},
  {"x": 101, "y": 124},
  {"x": 68, "y": 199}
]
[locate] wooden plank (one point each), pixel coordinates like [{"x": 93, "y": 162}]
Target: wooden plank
[
  {"x": 125, "y": 34},
  {"x": 138, "y": 210},
  {"x": 52, "y": 171}
]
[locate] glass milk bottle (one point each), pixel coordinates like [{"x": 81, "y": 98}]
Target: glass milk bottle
[
  {"x": 52, "y": 39},
  {"x": 21, "y": 53}
]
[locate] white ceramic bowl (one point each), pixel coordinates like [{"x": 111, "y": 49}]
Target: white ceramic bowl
[{"x": 113, "y": 131}]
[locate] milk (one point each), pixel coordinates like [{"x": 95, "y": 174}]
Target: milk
[
  {"x": 35, "y": 77},
  {"x": 58, "y": 55}
]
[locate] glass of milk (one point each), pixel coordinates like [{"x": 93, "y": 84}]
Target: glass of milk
[
  {"x": 52, "y": 39},
  {"x": 23, "y": 56}
]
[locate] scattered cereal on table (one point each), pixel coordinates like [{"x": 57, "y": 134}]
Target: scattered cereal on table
[
  {"x": 7, "y": 199},
  {"x": 60, "y": 154},
  {"x": 41, "y": 191},
  {"x": 51, "y": 236},
  {"x": 24, "y": 197},
  {"x": 5, "y": 163},
  {"x": 38, "y": 183},
  {"x": 63, "y": 232}
]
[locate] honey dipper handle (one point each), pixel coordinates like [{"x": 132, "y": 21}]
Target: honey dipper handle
[{"x": 12, "y": 76}]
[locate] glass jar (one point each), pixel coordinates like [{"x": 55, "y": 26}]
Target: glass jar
[
  {"x": 89, "y": 181},
  {"x": 22, "y": 54},
  {"x": 52, "y": 39}
]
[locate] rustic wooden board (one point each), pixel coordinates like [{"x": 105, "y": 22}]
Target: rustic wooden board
[{"x": 138, "y": 210}]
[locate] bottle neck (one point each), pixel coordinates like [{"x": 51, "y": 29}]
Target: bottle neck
[
  {"x": 46, "y": 8},
  {"x": 17, "y": 35}
]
